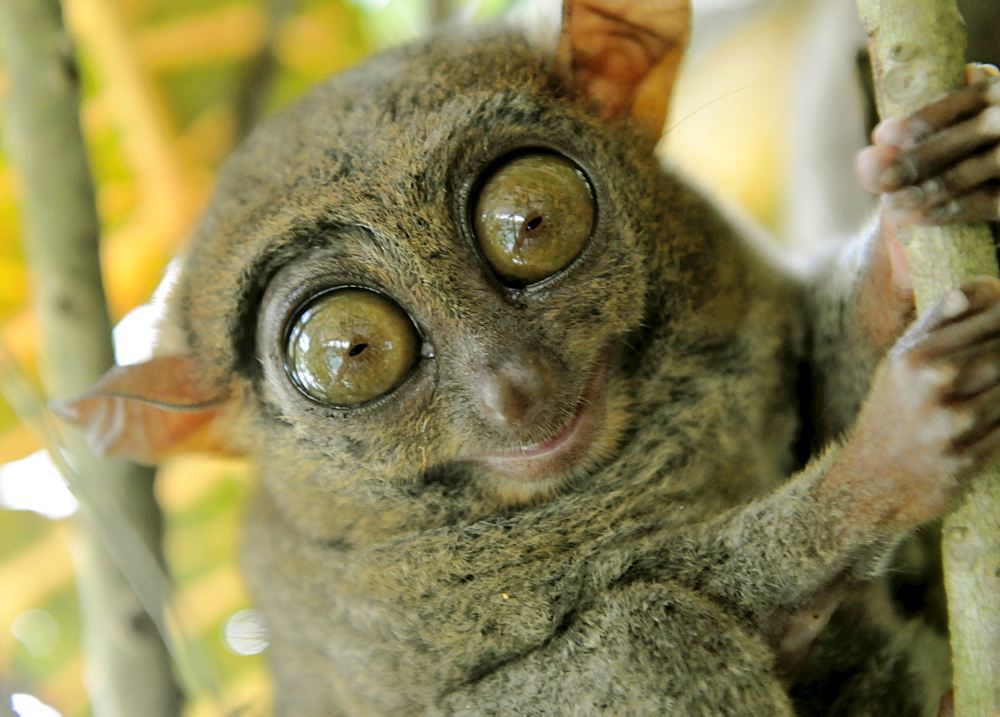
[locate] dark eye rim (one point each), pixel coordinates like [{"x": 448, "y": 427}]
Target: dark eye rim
[
  {"x": 306, "y": 299},
  {"x": 480, "y": 171},
  {"x": 294, "y": 279}
]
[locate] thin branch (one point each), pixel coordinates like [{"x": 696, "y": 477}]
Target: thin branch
[
  {"x": 917, "y": 49},
  {"x": 258, "y": 75},
  {"x": 128, "y": 669}
]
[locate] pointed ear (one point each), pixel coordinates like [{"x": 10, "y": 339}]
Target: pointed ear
[
  {"x": 147, "y": 411},
  {"x": 624, "y": 55}
]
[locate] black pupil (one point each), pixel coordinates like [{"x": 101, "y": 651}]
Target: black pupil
[
  {"x": 533, "y": 224},
  {"x": 356, "y": 349}
]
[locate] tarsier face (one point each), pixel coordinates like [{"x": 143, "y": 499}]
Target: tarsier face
[
  {"x": 531, "y": 415},
  {"x": 448, "y": 262}
]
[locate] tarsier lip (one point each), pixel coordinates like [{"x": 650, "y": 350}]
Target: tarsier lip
[{"x": 556, "y": 455}]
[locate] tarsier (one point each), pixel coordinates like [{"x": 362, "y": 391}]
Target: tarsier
[{"x": 538, "y": 428}]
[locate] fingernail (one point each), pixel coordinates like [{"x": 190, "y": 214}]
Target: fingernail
[
  {"x": 901, "y": 172},
  {"x": 905, "y": 198},
  {"x": 891, "y": 132},
  {"x": 934, "y": 191},
  {"x": 993, "y": 93},
  {"x": 945, "y": 212},
  {"x": 919, "y": 129},
  {"x": 979, "y": 71},
  {"x": 975, "y": 72},
  {"x": 954, "y": 303}
]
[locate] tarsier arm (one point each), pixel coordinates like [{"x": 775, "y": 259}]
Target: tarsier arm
[{"x": 929, "y": 420}]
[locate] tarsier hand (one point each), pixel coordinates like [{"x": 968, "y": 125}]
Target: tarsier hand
[
  {"x": 940, "y": 164},
  {"x": 935, "y": 403}
]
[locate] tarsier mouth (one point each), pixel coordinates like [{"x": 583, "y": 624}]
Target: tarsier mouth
[{"x": 565, "y": 449}]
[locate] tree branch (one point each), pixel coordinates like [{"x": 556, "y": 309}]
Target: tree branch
[
  {"x": 128, "y": 669},
  {"x": 917, "y": 49},
  {"x": 258, "y": 74}
]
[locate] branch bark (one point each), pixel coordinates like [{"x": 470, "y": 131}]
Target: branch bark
[
  {"x": 128, "y": 668},
  {"x": 917, "y": 49}
]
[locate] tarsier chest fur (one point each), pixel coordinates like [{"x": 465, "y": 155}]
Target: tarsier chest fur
[{"x": 525, "y": 405}]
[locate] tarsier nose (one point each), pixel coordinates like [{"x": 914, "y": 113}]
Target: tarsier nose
[{"x": 516, "y": 391}]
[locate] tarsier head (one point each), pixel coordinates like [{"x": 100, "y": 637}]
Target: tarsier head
[{"x": 428, "y": 270}]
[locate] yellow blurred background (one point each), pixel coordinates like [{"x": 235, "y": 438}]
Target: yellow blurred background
[{"x": 165, "y": 83}]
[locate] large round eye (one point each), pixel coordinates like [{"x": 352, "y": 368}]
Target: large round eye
[
  {"x": 533, "y": 217},
  {"x": 349, "y": 346}
]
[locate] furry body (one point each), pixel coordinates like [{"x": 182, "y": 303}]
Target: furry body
[
  {"x": 576, "y": 493},
  {"x": 392, "y": 577}
]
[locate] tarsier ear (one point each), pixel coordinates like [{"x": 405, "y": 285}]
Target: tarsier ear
[
  {"x": 147, "y": 411},
  {"x": 624, "y": 55}
]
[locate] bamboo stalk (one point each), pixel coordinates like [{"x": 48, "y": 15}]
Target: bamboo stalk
[
  {"x": 917, "y": 49},
  {"x": 128, "y": 669}
]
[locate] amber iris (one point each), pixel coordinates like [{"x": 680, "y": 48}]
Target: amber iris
[
  {"x": 533, "y": 217},
  {"x": 349, "y": 346}
]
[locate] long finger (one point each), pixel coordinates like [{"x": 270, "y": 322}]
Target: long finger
[{"x": 927, "y": 121}]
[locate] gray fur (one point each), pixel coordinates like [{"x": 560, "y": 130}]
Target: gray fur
[{"x": 398, "y": 578}]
